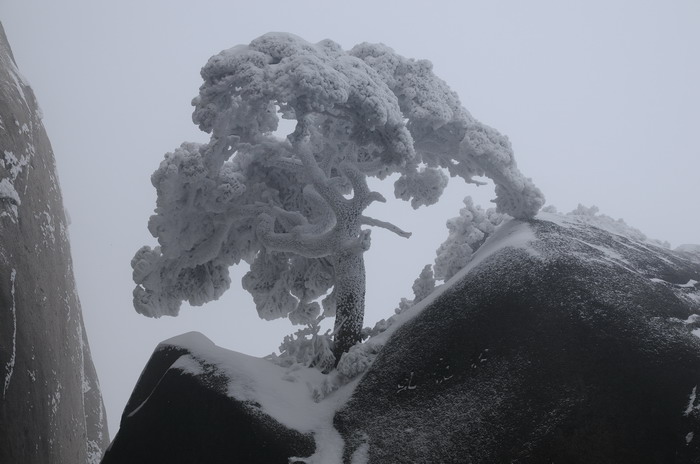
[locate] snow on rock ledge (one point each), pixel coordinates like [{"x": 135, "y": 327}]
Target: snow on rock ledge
[{"x": 229, "y": 407}]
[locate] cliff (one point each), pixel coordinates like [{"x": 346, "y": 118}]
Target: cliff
[{"x": 51, "y": 409}]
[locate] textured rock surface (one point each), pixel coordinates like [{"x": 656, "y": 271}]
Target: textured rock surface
[
  {"x": 50, "y": 404},
  {"x": 560, "y": 342},
  {"x": 578, "y": 350},
  {"x": 180, "y": 414}
]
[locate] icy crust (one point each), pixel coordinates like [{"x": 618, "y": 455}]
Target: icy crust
[{"x": 287, "y": 395}]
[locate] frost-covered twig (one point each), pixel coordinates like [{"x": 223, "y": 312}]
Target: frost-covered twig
[{"x": 368, "y": 221}]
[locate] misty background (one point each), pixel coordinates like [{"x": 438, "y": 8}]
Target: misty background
[{"x": 600, "y": 100}]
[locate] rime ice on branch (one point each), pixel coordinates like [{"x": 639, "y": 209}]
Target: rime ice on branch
[
  {"x": 467, "y": 232},
  {"x": 293, "y": 208}
]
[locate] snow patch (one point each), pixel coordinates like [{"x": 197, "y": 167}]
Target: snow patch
[
  {"x": 361, "y": 454},
  {"x": 287, "y": 396},
  {"x": 188, "y": 365},
  {"x": 690, "y": 292},
  {"x": 48, "y": 230},
  {"x": 85, "y": 384},
  {"x": 94, "y": 452},
  {"x": 692, "y": 400},
  {"x": 10, "y": 366},
  {"x": 691, "y": 283},
  {"x": 609, "y": 256},
  {"x": 14, "y": 166},
  {"x": 55, "y": 401},
  {"x": 7, "y": 191},
  {"x": 689, "y": 438},
  {"x": 83, "y": 378}
]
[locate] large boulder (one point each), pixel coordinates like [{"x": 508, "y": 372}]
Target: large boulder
[
  {"x": 573, "y": 345},
  {"x": 50, "y": 404},
  {"x": 198, "y": 403},
  {"x": 560, "y": 341}
]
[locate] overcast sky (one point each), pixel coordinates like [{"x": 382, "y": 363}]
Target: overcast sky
[{"x": 600, "y": 99}]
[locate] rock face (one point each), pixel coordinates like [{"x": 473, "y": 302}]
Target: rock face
[
  {"x": 577, "y": 349},
  {"x": 51, "y": 409},
  {"x": 560, "y": 342},
  {"x": 181, "y": 412}
]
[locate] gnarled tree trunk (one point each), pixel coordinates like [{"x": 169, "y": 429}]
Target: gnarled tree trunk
[{"x": 350, "y": 301}]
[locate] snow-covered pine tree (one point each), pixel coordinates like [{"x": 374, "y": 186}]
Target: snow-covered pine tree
[{"x": 293, "y": 208}]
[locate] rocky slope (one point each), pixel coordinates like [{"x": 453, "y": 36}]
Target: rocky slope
[
  {"x": 576, "y": 345},
  {"x": 51, "y": 409},
  {"x": 561, "y": 341}
]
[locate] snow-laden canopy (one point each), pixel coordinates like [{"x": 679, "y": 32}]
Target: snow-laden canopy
[{"x": 292, "y": 207}]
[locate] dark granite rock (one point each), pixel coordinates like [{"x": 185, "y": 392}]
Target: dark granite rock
[
  {"x": 50, "y": 404},
  {"x": 177, "y": 415},
  {"x": 578, "y": 350}
]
